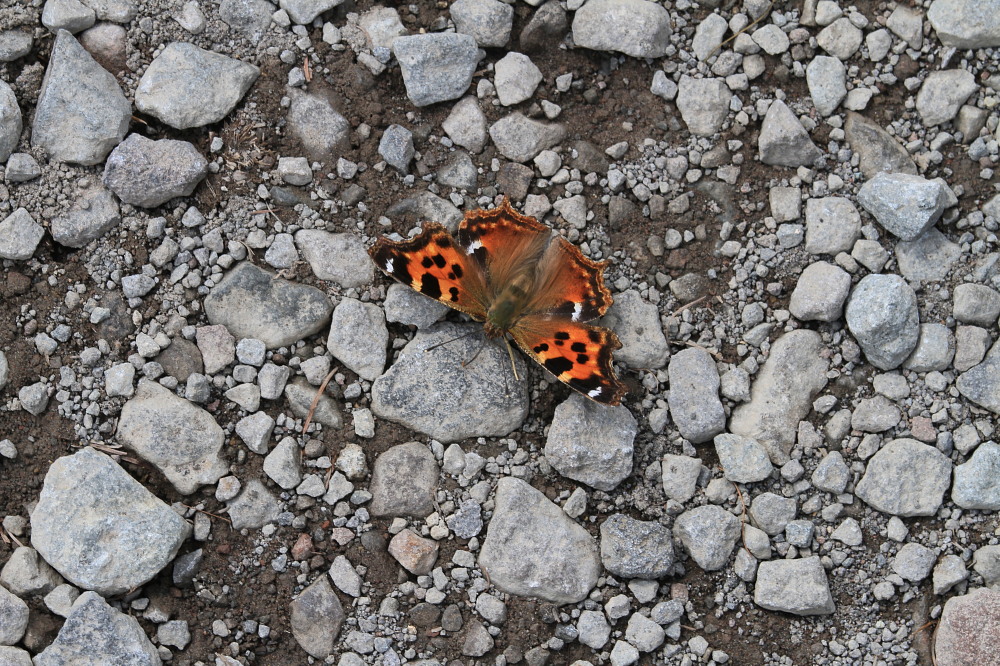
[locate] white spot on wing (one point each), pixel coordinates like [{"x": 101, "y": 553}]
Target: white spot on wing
[
  {"x": 388, "y": 265},
  {"x": 577, "y": 311},
  {"x": 596, "y": 392},
  {"x": 473, "y": 246}
]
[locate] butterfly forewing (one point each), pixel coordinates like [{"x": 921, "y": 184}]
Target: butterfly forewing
[
  {"x": 569, "y": 284},
  {"x": 578, "y": 354},
  {"x": 503, "y": 242},
  {"x": 434, "y": 264}
]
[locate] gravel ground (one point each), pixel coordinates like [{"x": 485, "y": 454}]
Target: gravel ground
[{"x": 226, "y": 438}]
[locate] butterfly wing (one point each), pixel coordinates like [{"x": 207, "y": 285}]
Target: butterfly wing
[
  {"x": 578, "y": 354},
  {"x": 569, "y": 284},
  {"x": 503, "y": 243},
  {"x": 434, "y": 264}
]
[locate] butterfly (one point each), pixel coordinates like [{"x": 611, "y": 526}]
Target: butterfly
[{"x": 515, "y": 275}]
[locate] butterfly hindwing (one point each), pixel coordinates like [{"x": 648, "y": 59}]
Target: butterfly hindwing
[
  {"x": 434, "y": 264},
  {"x": 578, "y": 354}
]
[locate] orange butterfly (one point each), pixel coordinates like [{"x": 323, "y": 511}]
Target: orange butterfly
[{"x": 512, "y": 273}]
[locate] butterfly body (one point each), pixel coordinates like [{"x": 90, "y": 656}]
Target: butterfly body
[{"x": 512, "y": 273}]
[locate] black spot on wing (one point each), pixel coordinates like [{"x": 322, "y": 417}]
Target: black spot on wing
[
  {"x": 430, "y": 286},
  {"x": 438, "y": 260},
  {"x": 582, "y": 359},
  {"x": 578, "y": 347},
  {"x": 457, "y": 270},
  {"x": 594, "y": 336},
  {"x": 561, "y": 335},
  {"x": 454, "y": 294},
  {"x": 544, "y": 347},
  {"x": 558, "y": 365},
  {"x": 426, "y": 262}
]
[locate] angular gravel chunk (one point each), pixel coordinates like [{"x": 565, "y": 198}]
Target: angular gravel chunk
[
  {"x": 882, "y": 316},
  {"x": 708, "y": 533},
  {"x": 637, "y": 28},
  {"x": 694, "y": 395},
  {"x": 905, "y": 478},
  {"x": 633, "y": 548},
  {"x": 783, "y": 141},
  {"x": 532, "y": 548},
  {"x": 148, "y": 173},
  {"x": 798, "y": 587},
  {"x": 591, "y": 443},
  {"x": 904, "y": 204},
  {"x": 436, "y": 67},
  {"x": 316, "y": 617}
]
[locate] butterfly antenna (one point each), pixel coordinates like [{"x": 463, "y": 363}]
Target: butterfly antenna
[
  {"x": 468, "y": 362},
  {"x": 513, "y": 365},
  {"x": 441, "y": 344}
]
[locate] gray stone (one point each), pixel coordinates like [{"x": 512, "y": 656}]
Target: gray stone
[
  {"x": 96, "y": 633},
  {"x": 254, "y": 507},
  {"x": 967, "y": 632},
  {"x": 26, "y": 574},
  {"x": 174, "y": 633},
  {"x": 743, "y": 459},
  {"x": 827, "y": 81},
  {"x": 322, "y": 131},
  {"x": 283, "y": 464},
  {"x": 591, "y": 443},
  {"x": 403, "y": 481},
  {"x": 532, "y": 548},
  {"x": 708, "y": 36},
  {"x": 316, "y": 618},
  {"x": 466, "y": 124},
  {"x": 976, "y": 304},
  {"x": 149, "y": 173},
  {"x": 488, "y": 21},
  {"x": 981, "y": 383},
  {"x": 21, "y": 167},
  {"x": 116, "y": 11},
  {"x": 708, "y": 533},
  {"x": 771, "y": 38},
  {"x": 966, "y": 24},
  {"x": 833, "y": 225},
  {"x": 772, "y": 512},
  {"x": 645, "y": 634},
  {"x": 820, "y": 293},
  {"x": 875, "y": 414},
  {"x": 345, "y": 577},
  {"x": 458, "y": 172},
  {"x": 637, "y": 28},
  {"x": 81, "y": 112},
  {"x": 467, "y": 521},
  {"x": 977, "y": 481},
  {"x": 251, "y": 18},
  {"x": 305, "y": 12},
  {"x": 782, "y": 393},
  {"x": 908, "y": 24},
  {"x": 520, "y": 139},
  {"x": 703, "y": 104},
  {"x": 971, "y": 344},
  {"x": 14, "y": 44},
  {"x": 905, "y": 478},
  {"x": 396, "y": 147},
  {"x": 70, "y": 15},
  {"x": 251, "y": 303},
  {"x": 477, "y": 640},
  {"x": 341, "y": 258},
  {"x": 515, "y": 78},
  {"x": 404, "y": 305},
  {"x": 986, "y": 563},
  {"x": 593, "y": 629},
  {"x": 943, "y": 94},
  {"x": 436, "y": 67},
  {"x": 13, "y": 618},
  {"x": 905, "y": 205},
  {"x": 783, "y": 141},
  {"x": 876, "y": 149},
  {"x": 19, "y": 236},
  {"x": 295, "y": 170},
  {"x": 217, "y": 347},
  {"x": 948, "y": 573},
  {"x": 34, "y": 398},
  {"x": 10, "y": 122},
  {"x": 179, "y": 439},
  {"x": 452, "y": 409},
  {"x": 359, "y": 337},
  {"x": 301, "y": 395},
  {"x": 914, "y": 562},
  {"x": 118, "y": 380},
  {"x": 694, "y": 400},
  {"x": 832, "y": 474},
  {"x": 547, "y": 25},
  {"x": 636, "y": 321},
  {"x": 848, "y": 533},
  {"x": 934, "y": 351},
  {"x": 928, "y": 258},
  {"x": 840, "y": 39},
  {"x": 633, "y": 548},
  {"x": 882, "y": 316},
  {"x": 798, "y": 587},
  {"x": 100, "y": 528},
  {"x": 94, "y": 213}
]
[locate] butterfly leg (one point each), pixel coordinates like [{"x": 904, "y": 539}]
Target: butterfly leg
[
  {"x": 482, "y": 343},
  {"x": 513, "y": 364}
]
